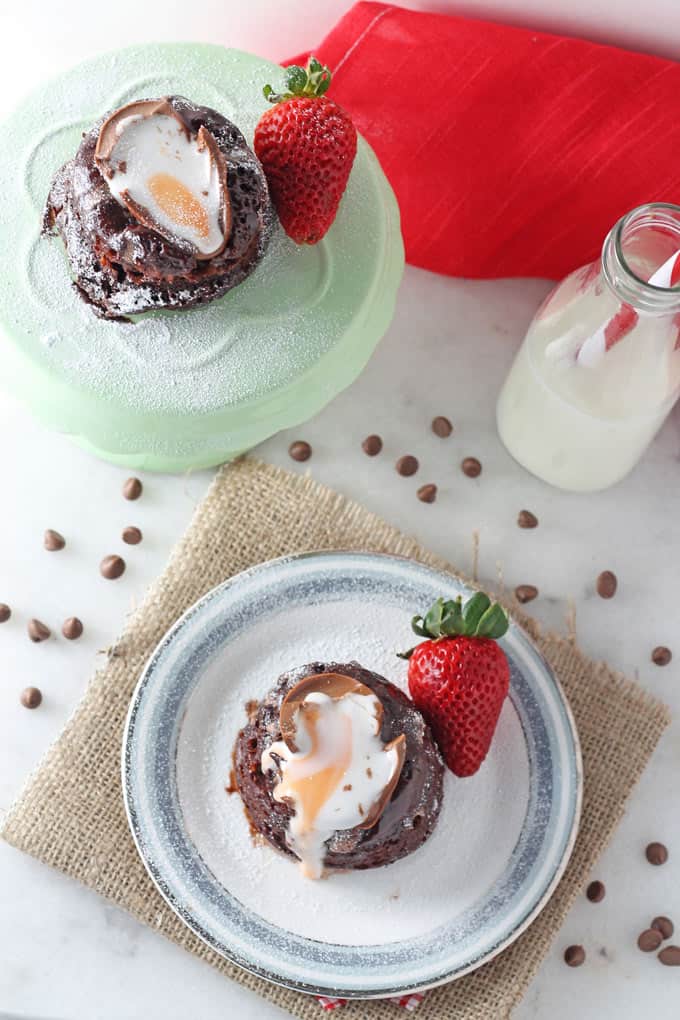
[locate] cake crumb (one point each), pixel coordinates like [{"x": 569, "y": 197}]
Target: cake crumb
[{"x": 231, "y": 787}]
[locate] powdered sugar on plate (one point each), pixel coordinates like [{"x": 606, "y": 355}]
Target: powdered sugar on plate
[
  {"x": 479, "y": 826},
  {"x": 502, "y": 841}
]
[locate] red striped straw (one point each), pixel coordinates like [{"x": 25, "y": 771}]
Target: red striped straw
[{"x": 603, "y": 339}]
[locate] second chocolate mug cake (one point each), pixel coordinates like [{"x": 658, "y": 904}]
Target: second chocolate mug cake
[
  {"x": 162, "y": 206},
  {"x": 336, "y": 767}
]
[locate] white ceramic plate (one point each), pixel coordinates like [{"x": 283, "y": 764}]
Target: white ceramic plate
[{"x": 502, "y": 841}]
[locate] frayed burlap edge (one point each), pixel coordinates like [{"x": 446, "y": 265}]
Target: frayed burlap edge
[{"x": 71, "y": 814}]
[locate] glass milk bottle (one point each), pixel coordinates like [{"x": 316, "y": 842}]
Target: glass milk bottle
[{"x": 599, "y": 368}]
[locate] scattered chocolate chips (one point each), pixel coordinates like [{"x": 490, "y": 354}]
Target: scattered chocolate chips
[
  {"x": 112, "y": 567},
  {"x": 662, "y": 655},
  {"x": 670, "y": 956},
  {"x": 38, "y": 631},
  {"x": 372, "y": 445},
  {"x": 526, "y": 592},
  {"x": 407, "y": 465},
  {"x": 132, "y": 488},
  {"x": 131, "y": 536},
  {"x": 53, "y": 541},
  {"x": 441, "y": 426},
  {"x": 656, "y": 853},
  {"x": 471, "y": 467},
  {"x": 596, "y": 892},
  {"x": 664, "y": 925},
  {"x": 525, "y": 519},
  {"x": 72, "y": 628},
  {"x": 31, "y": 697},
  {"x": 649, "y": 940},
  {"x": 606, "y": 584},
  {"x": 427, "y": 493},
  {"x": 574, "y": 956},
  {"x": 5, "y": 612},
  {"x": 300, "y": 450}
]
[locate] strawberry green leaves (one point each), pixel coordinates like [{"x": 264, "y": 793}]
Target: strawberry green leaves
[
  {"x": 311, "y": 81},
  {"x": 296, "y": 79},
  {"x": 474, "y": 611},
  {"x": 479, "y": 617}
]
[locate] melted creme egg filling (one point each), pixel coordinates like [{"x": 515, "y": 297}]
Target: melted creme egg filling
[
  {"x": 169, "y": 179},
  {"x": 336, "y": 772}
]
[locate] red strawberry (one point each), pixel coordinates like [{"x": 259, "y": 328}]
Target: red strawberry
[
  {"x": 459, "y": 677},
  {"x": 306, "y": 144}
]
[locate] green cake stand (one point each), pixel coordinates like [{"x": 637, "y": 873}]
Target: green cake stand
[{"x": 178, "y": 390}]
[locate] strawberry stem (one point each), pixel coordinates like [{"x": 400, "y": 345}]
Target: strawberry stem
[{"x": 311, "y": 81}]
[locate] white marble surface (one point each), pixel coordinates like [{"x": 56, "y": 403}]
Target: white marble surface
[{"x": 67, "y": 955}]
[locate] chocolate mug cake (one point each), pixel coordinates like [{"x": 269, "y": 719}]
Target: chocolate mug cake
[
  {"x": 162, "y": 206},
  {"x": 336, "y": 767}
]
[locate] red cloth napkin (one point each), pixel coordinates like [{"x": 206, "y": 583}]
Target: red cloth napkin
[{"x": 512, "y": 153}]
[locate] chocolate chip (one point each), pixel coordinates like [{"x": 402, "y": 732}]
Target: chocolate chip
[
  {"x": 441, "y": 426},
  {"x": 596, "y": 892},
  {"x": 31, "y": 697},
  {"x": 606, "y": 584},
  {"x": 670, "y": 956},
  {"x": 427, "y": 493},
  {"x": 471, "y": 467},
  {"x": 656, "y": 853},
  {"x": 526, "y": 592},
  {"x": 112, "y": 567},
  {"x": 53, "y": 541},
  {"x": 72, "y": 628},
  {"x": 372, "y": 445},
  {"x": 664, "y": 925},
  {"x": 5, "y": 612},
  {"x": 649, "y": 940},
  {"x": 525, "y": 519},
  {"x": 662, "y": 655},
  {"x": 300, "y": 450},
  {"x": 407, "y": 465},
  {"x": 131, "y": 536},
  {"x": 38, "y": 631},
  {"x": 132, "y": 488},
  {"x": 574, "y": 956}
]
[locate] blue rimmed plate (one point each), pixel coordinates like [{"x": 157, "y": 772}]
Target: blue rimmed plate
[{"x": 502, "y": 841}]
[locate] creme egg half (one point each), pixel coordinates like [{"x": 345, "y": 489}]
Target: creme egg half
[{"x": 170, "y": 179}]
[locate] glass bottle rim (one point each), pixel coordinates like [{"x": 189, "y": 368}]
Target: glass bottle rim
[{"x": 622, "y": 276}]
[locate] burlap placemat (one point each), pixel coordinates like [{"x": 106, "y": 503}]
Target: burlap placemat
[{"x": 71, "y": 815}]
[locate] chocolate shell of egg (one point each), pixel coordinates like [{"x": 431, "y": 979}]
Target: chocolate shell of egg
[{"x": 170, "y": 180}]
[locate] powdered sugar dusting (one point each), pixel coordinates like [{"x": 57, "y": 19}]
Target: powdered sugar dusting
[
  {"x": 261, "y": 337},
  {"x": 478, "y": 828}
]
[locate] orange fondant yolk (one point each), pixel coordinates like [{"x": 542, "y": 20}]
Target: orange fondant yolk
[{"x": 178, "y": 203}]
